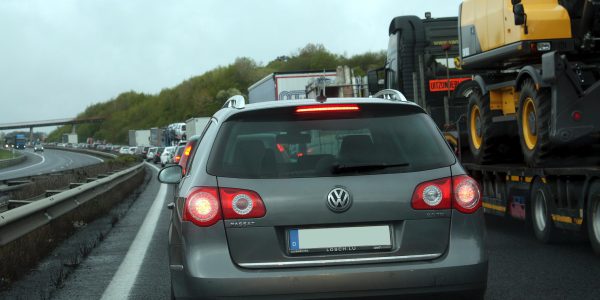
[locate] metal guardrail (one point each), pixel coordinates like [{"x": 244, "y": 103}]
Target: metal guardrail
[
  {"x": 20, "y": 221},
  {"x": 86, "y": 151}
]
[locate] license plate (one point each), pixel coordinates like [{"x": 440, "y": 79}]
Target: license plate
[{"x": 339, "y": 239}]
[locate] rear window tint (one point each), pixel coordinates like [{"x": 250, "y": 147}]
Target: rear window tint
[
  {"x": 279, "y": 143},
  {"x": 180, "y": 150}
]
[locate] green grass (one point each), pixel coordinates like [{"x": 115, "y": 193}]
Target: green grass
[{"x": 5, "y": 154}]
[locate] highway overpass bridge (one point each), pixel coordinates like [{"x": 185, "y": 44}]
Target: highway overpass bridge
[{"x": 57, "y": 122}]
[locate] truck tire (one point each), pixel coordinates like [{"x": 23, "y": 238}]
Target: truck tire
[
  {"x": 592, "y": 217},
  {"x": 482, "y": 136},
  {"x": 465, "y": 89},
  {"x": 540, "y": 202},
  {"x": 533, "y": 119}
]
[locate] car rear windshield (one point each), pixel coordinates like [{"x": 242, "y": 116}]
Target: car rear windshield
[
  {"x": 180, "y": 150},
  {"x": 282, "y": 143}
]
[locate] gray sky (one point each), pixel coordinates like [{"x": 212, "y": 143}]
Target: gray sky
[{"x": 58, "y": 57}]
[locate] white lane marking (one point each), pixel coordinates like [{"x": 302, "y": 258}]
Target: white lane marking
[
  {"x": 15, "y": 170},
  {"x": 122, "y": 282}
]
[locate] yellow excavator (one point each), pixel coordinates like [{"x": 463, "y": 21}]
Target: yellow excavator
[{"x": 537, "y": 66}]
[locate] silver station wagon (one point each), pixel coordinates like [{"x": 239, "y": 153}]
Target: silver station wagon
[{"x": 336, "y": 198}]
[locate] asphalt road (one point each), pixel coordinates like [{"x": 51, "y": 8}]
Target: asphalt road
[
  {"x": 132, "y": 262},
  {"x": 46, "y": 162}
]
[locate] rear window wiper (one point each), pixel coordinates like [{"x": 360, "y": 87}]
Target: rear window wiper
[{"x": 364, "y": 167}]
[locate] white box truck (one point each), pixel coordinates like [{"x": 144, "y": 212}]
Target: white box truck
[
  {"x": 285, "y": 85},
  {"x": 195, "y": 126},
  {"x": 139, "y": 138},
  {"x": 69, "y": 138}
]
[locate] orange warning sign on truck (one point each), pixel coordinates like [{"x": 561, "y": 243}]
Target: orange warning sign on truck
[{"x": 441, "y": 85}]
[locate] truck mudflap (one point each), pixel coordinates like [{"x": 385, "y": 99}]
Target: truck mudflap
[{"x": 574, "y": 109}]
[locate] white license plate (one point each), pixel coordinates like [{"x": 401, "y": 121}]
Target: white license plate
[{"x": 339, "y": 239}]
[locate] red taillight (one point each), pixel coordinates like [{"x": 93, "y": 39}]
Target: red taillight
[
  {"x": 460, "y": 192},
  {"x": 202, "y": 206},
  {"x": 327, "y": 108},
  {"x": 466, "y": 194},
  {"x": 241, "y": 204},
  {"x": 435, "y": 194}
]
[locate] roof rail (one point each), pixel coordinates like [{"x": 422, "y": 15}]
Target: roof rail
[
  {"x": 236, "y": 101},
  {"x": 390, "y": 94}
]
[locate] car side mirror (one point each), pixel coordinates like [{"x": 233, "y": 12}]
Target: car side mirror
[
  {"x": 520, "y": 16},
  {"x": 171, "y": 174}
]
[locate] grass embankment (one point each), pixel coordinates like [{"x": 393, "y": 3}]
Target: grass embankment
[{"x": 6, "y": 154}]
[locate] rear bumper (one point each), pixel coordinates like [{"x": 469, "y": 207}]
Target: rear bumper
[{"x": 210, "y": 272}]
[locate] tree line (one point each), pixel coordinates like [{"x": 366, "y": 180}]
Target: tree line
[{"x": 203, "y": 95}]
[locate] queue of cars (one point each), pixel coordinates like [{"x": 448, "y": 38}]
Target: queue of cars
[{"x": 333, "y": 198}]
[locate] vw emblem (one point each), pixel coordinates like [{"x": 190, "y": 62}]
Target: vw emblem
[{"x": 339, "y": 200}]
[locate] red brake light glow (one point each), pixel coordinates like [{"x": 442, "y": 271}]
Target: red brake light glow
[
  {"x": 280, "y": 148},
  {"x": 205, "y": 206},
  {"x": 202, "y": 207},
  {"x": 327, "y": 108},
  {"x": 466, "y": 194},
  {"x": 459, "y": 192}
]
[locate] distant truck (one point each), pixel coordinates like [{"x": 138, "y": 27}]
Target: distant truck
[
  {"x": 285, "y": 85},
  {"x": 195, "y": 126},
  {"x": 70, "y": 138},
  {"x": 157, "y": 137},
  {"x": 20, "y": 141},
  {"x": 139, "y": 138}
]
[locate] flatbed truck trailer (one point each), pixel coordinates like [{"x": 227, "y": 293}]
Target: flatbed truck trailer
[{"x": 556, "y": 201}]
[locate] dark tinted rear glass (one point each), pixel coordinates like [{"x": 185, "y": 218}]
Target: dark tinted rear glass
[
  {"x": 279, "y": 143},
  {"x": 180, "y": 150}
]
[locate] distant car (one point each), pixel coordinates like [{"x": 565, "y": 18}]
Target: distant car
[
  {"x": 178, "y": 153},
  {"x": 179, "y": 130},
  {"x": 38, "y": 147},
  {"x": 335, "y": 198},
  {"x": 150, "y": 153},
  {"x": 124, "y": 150},
  {"x": 143, "y": 151},
  {"x": 132, "y": 150},
  {"x": 158, "y": 154},
  {"x": 167, "y": 155},
  {"x": 189, "y": 151}
]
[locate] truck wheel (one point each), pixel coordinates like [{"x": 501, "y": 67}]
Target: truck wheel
[
  {"x": 592, "y": 217},
  {"x": 533, "y": 119},
  {"x": 480, "y": 128},
  {"x": 465, "y": 89},
  {"x": 540, "y": 203}
]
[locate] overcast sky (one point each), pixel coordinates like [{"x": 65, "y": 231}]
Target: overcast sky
[{"x": 58, "y": 57}]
